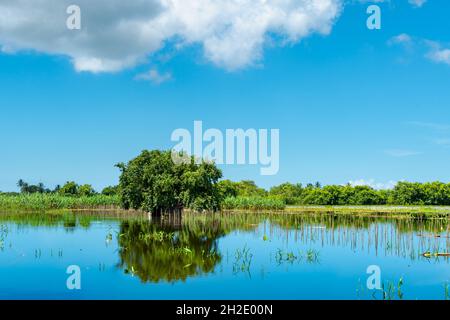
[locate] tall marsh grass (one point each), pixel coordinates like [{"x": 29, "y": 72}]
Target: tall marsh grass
[
  {"x": 49, "y": 201},
  {"x": 252, "y": 203}
]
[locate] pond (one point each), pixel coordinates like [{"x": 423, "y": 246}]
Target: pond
[{"x": 222, "y": 256}]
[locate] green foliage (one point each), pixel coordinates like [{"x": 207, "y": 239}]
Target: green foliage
[
  {"x": 85, "y": 190},
  {"x": 227, "y": 188},
  {"x": 404, "y": 193},
  {"x": 111, "y": 191},
  {"x": 156, "y": 253},
  {"x": 287, "y": 192},
  {"x": 72, "y": 189},
  {"x": 248, "y": 188},
  {"x": 431, "y": 193},
  {"x": 252, "y": 203},
  {"x": 154, "y": 183},
  {"x": 245, "y": 188},
  {"x": 49, "y": 201},
  {"x": 27, "y": 188},
  {"x": 343, "y": 195},
  {"x": 69, "y": 189},
  {"x": 363, "y": 195}
]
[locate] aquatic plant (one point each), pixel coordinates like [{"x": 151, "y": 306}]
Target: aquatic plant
[
  {"x": 446, "y": 292},
  {"x": 252, "y": 203},
  {"x": 282, "y": 256},
  {"x": 3, "y": 235},
  {"x": 429, "y": 254},
  {"x": 389, "y": 291},
  {"x": 51, "y": 201},
  {"x": 310, "y": 256},
  {"x": 156, "y": 236},
  {"x": 399, "y": 288},
  {"x": 243, "y": 260},
  {"x": 109, "y": 236}
]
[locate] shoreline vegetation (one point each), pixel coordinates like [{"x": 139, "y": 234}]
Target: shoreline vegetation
[
  {"x": 153, "y": 182},
  {"x": 37, "y": 202},
  {"x": 51, "y": 201}
]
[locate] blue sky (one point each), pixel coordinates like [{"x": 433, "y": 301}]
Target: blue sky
[{"x": 353, "y": 104}]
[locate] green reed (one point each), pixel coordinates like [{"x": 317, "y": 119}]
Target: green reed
[
  {"x": 309, "y": 256},
  {"x": 243, "y": 260},
  {"x": 252, "y": 203},
  {"x": 51, "y": 201},
  {"x": 446, "y": 292}
]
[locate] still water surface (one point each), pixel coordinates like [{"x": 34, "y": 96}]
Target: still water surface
[{"x": 222, "y": 256}]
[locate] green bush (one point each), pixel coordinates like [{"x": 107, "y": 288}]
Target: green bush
[
  {"x": 85, "y": 190},
  {"x": 111, "y": 191},
  {"x": 287, "y": 192},
  {"x": 69, "y": 189}
]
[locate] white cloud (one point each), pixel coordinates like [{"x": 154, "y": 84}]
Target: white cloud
[
  {"x": 118, "y": 34},
  {"x": 154, "y": 76},
  {"x": 402, "y": 38},
  {"x": 376, "y": 185},
  {"x": 405, "y": 41},
  {"x": 430, "y": 125},
  {"x": 432, "y": 50},
  {"x": 438, "y": 54},
  {"x": 417, "y": 3},
  {"x": 400, "y": 153},
  {"x": 414, "y": 3}
]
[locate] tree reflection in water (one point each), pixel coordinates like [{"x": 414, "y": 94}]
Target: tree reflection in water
[
  {"x": 166, "y": 250},
  {"x": 174, "y": 248}
]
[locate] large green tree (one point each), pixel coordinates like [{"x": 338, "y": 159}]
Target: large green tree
[
  {"x": 154, "y": 183},
  {"x": 110, "y": 190},
  {"x": 287, "y": 192},
  {"x": 70, "y": 188}
]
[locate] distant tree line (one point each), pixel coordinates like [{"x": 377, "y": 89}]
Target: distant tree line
[
  {"x": 404, "y": 193},
  {"x": 154, "y": 183},
  {"x": 203, "y": 193},
  {"x": 70, "y": 188}
]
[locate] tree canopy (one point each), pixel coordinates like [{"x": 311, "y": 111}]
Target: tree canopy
[
  {"x": 154, "y": 183},
  {"x": 110, "y": 190},
  {"x": 404, "y": 193},
  {"x": 30, "y": 188}
]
